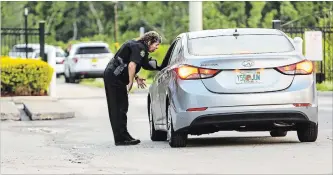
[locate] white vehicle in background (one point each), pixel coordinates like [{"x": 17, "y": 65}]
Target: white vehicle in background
[
  {"x": 19, "y": 51},
  {"x": 60, "y": 60},
  {"x": 86, "y": 60}
]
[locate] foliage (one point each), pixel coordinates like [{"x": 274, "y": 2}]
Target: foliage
[
  {"x": 325, "y": 86},
  {"x": 67, "y": 21},
  {"x": 24, "y": 76}
]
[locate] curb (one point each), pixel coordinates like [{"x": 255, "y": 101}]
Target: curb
[
  {"x": 34, "y": 107},
  {"x": 9, "y": 111},
  {"x": 50, "y": 110}
]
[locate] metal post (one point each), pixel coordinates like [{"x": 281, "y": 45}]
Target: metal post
[
  {"x": 142, "y": 31},
  {"x": 26, "y": 31},
  {"x": 42, "y": 40},
  {"x": 276, "y": 24},
  {"x": 52, "y": 62},
  {"x": 195, "y": 14}
]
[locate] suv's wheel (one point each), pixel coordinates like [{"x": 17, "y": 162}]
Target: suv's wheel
[
  {"x": 277, "y": 133},
  {"x": 155, "y": 135},
  {"x": 307, "y": 132},
  {"x": 176, "y": 139},
  {"x": 66, "y": 78}
]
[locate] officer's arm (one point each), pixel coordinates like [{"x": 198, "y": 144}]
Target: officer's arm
[
  {"x": 147, "y": 66},
  {"x": 131, "y": 70},
  {"x": 135, "y": 58}
]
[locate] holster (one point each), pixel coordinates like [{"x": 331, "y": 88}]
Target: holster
[{"x": 117, "y": 65}]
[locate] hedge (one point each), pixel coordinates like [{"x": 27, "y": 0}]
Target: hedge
[{"x": 24, "y": 77}]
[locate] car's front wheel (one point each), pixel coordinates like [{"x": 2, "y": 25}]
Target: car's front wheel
[
  {"x": 176, "y": 139},
  {"x": 307, "y": 132},
  {"x": 154, "y": 134}
]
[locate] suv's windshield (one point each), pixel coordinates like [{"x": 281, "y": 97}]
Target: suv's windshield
[
  {"x": 229, "y": 45},
  {"x": 93, "y": 50}
]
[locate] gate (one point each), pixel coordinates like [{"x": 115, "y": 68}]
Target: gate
[
  {"x": 26, "y": 36},
  {"x": 324, "y": 68}
]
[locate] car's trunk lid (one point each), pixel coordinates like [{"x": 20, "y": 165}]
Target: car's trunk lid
[{"x": 247, "y": 73}]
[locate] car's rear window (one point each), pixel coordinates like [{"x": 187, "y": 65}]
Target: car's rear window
[
  {"x": 92, "y": 50},
  {"x": 229, "y": 45},
  {"x": 23, "y": 49}
]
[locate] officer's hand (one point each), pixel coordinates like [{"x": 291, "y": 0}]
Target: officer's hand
[
  {"x": 141, "y": 83},
  {"x": 129, "y": 86}
]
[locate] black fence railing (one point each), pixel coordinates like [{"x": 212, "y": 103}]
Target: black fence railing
[
  {"x": 324, "y": 68},
  {"x": 24, "y": 36}
]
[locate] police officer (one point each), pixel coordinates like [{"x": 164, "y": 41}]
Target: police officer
[{"x": 119, "y": 76}]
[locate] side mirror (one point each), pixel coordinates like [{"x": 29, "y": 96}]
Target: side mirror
[{"x": 153, "y": 63}]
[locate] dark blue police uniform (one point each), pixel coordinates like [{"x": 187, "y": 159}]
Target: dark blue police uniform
[{"x": 116, "y": 79}]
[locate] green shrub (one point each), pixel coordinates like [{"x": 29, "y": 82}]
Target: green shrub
[{"x": 21, "y": 77}]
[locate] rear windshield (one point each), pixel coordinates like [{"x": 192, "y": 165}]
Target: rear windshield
[
  {"x": 229, "y": 45},
  {"x": 92, "y": 50},
  {"x": 23, "y": 49}
]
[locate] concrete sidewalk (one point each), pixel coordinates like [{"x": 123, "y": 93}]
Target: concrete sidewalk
[{"x": 34, "y": 108}]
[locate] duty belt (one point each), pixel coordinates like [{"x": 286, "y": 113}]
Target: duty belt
[{"x": 117, "y": 65}]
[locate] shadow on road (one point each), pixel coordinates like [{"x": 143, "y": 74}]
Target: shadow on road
[{"x": 237, "y": 141}]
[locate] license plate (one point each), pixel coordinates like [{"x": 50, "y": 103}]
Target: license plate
[
  {"x": 248, "y": 77},
  {"x": 94, "y": 60}
]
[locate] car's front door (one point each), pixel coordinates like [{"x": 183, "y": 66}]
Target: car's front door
[
  {"x": 156, "y": 100},
  {"x": 164, "y": 79}
]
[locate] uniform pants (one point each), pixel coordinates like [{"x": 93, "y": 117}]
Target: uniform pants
[{"x": 117, "y": 100}]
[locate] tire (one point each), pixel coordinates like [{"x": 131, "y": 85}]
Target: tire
[
  {"x": 154, "y": 134},
  {"x": 71, "y": 78},
  {"x": 176, "y": 139},
  {"x": 278, "y": 133},
  {"x": 307, "y": 132}
]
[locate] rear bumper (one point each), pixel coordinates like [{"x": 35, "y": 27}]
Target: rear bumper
[
  {"x": 259, "y": 118},
  {"x": 232, "y": 118},
  {"x": 59, "y": 68}
]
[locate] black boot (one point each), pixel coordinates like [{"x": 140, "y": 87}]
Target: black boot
[{"x": 129, "y": 137}]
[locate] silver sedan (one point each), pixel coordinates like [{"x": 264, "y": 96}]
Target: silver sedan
[{"x": 233, "y": 80}]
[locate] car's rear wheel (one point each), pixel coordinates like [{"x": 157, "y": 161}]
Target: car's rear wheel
[
  {"x": 307, "y": 132},
  {"x": 176, "y": 139},
  {"x": 154, "y": 134},
  {"x": 277, "y": 133}
]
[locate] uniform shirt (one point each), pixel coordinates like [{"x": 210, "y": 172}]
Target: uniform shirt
[{"x": 136, "y": 52}]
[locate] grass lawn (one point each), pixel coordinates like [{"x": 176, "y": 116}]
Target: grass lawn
[
  {"x": 325, "y": 86},
  {"x": 98, "y": 82}
]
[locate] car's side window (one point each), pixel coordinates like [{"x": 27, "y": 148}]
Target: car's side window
[
  {"x": 175, "y": 52},
  {"x": 168, "y": 55}
]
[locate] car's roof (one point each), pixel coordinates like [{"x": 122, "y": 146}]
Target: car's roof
[
  {"x": 230, "y": 31},
  {"x": 30, "y": 45},
  {"x": 90, "y": 44}
]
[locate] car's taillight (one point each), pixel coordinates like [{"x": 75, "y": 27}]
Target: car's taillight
[
  {"x": 186, "y": 72},
  {"x": 75, "y": 60},
  {"x": 301, "y": 68},
  {"x": 61, "y": 62}
]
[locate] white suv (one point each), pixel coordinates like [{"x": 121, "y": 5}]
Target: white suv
[{"x": 86, "y": 60}]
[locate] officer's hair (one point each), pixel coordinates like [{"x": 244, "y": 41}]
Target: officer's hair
[{"x": 150, "y": 38}]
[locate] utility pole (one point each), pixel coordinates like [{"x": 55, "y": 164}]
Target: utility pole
[
  {"x": 195, "y": 15},
  {"x": 115, "y": 21}
]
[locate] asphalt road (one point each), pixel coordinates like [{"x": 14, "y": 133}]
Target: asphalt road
[{"x": 85, "y": 144}]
